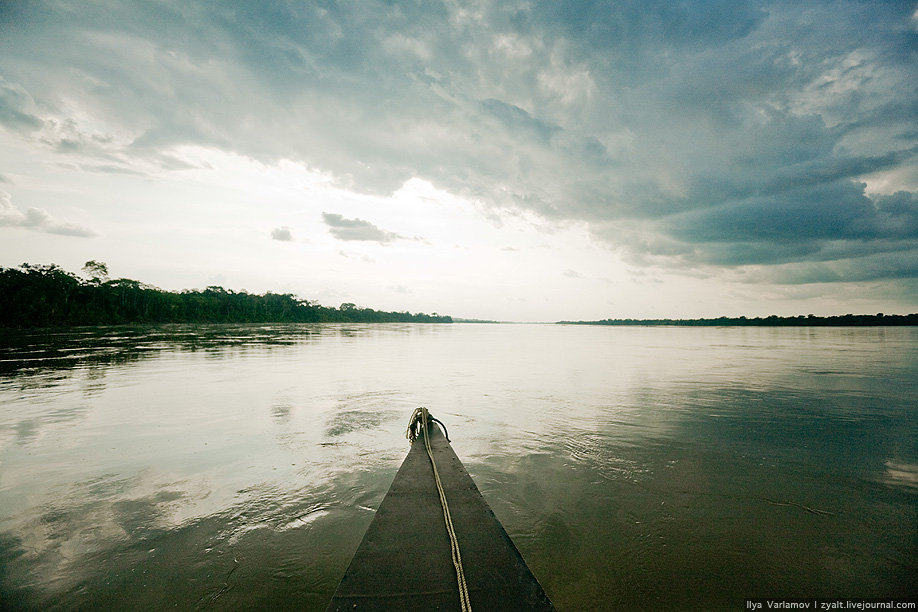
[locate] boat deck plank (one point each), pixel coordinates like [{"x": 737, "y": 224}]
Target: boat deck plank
[{"x": 404, "y": 561}]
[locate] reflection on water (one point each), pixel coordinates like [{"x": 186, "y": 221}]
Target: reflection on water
[
  {"x": 236, "y": 467},
  {"x": 902, "y": 474}
]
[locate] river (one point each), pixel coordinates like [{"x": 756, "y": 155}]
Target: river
[{"x": 233, "y": 467}]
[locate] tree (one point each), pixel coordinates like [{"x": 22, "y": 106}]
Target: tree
[
  {"x": 46, "y": 295},
  {"x": 96, "y": 270}
]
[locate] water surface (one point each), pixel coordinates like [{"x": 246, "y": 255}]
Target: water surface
[{"x": 236, "y": 467}]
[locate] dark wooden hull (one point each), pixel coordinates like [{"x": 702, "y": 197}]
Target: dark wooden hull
[{"x": 404, "y": 563}]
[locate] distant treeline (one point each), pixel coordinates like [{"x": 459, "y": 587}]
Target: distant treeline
[
  {"x": 770, "y": 321},
  {"x": 46, "y": 295}
]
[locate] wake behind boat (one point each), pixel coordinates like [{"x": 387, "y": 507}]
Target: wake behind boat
[{"x": 435, "y": 544}]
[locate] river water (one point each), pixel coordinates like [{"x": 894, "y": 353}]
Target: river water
[{"x": 236, "y": 467}]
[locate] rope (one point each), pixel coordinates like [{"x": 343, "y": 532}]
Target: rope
[{"x": 420, "y": 420}]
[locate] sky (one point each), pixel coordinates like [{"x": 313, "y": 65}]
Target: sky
[{"x": 516, "y": 160}]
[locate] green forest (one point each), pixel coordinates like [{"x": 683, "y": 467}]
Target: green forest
[
  {"x": 847, "y": 320},
  {"x": 48, "y": 296}
]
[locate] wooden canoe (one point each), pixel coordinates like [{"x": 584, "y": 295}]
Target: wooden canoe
[{"x": 404, "y": 562}]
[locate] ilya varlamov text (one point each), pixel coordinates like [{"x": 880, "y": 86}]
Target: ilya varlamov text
[{"x": 828, "y": 604}]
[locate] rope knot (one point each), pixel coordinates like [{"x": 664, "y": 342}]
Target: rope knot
[{"x": 420, "y": 421}]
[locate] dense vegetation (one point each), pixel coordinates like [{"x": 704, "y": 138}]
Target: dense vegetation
[
  {"x": 770, "y": 321},
  {"x": 46, "y": 295}
]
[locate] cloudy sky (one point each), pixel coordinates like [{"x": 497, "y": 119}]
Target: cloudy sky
[{"x": 509, "y": 159}]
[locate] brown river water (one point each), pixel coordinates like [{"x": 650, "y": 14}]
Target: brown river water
[{"x": 230, "y": 467}]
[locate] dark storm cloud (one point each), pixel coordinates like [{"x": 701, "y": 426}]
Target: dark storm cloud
[
  {"x": 356, "y": 229},
  {"x": 890, "y": 264},
  {"x": 685, "y": 134},
  {"x": 282, "y": 234},
  {"x": 628, "y": 37},
  {"x": 516, "y": 120},
  {"x": 823, "y": 223},
  {"x": 836, "y": 211}
]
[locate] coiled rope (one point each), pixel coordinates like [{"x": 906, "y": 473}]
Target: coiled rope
[{"x": 420, "y": 422}]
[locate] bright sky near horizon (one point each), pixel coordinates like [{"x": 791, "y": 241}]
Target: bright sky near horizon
[{"x": 517, "y": 160}]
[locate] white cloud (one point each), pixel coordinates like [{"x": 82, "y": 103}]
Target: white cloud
[
  {"x": 38, "y": 219},
  {"x": 282, "y": 234},
  {"x": 357, "y": 256}
]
